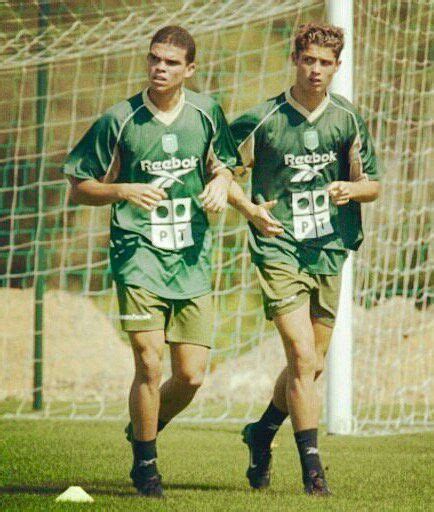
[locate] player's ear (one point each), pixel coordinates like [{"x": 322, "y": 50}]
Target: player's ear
[
  {"x": 294, "y": 57},
  {"x": 190, "y": 69}
]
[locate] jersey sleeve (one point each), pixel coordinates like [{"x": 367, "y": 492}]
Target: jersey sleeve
[
  {"x": 362, "y": 158},
  {"x": 243, "y": 130},
  {"x": 96, "y": 153},
  {"x": 223, "y": 151}
]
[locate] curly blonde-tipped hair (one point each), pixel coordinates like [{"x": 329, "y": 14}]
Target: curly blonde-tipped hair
[{"x": 320, "y": 34}]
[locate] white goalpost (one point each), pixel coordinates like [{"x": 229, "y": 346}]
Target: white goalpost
[
  {"x": 340, "y": 356},
  {"x": 62, "y": 64}
]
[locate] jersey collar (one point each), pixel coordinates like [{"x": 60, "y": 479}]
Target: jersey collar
[
  {"x": 164, "y": 117},
  {"x": 310, "y": 116}
]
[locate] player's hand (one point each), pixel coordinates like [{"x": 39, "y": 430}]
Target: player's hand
[
  {"x": 340, "y": 192},
  {"x": 215, "y": 195},
  {"x": 143, "y": 195},
  {"x": 263, "y": 221}
]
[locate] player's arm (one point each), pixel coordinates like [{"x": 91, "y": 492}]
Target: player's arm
[
  {"x": 222, "y": 159},
  {"x": 94, "y": 165},
  {"x": 342, "y": 192},
  {"x": 94, "y": 193},
  {"x": 258, "y": 215},
  {"x": 215, "y": 194},
  {"x": 363, "y": 185}
]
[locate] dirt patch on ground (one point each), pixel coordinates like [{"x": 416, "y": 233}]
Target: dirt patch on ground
[
  {"x": 84, "y": 357},
  {"x": 394, "y": 354}
]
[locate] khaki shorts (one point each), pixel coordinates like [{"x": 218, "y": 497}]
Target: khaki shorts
[
  {"x": 285, "y": 289},
  {"x": 183, "y": 320}
]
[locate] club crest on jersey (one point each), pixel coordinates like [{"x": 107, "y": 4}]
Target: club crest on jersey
[
  {"x": 311, "y": 140},
  {"x": 169, "y": 142},
  {"x": 169, "y": 171}
]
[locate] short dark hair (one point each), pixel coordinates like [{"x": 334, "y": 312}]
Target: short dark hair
[
  {"x": 320, "y": 34},
  {"x": 179, "y": 37}
]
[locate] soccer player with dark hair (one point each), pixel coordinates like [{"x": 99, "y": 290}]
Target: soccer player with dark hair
[
  {"x": 313, "y": 163},
  {"x": 162, "y": 159}
]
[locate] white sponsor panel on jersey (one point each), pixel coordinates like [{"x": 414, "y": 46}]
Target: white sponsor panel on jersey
[
  {"x": 311, "y": 214},
  {"x": 171, "y": 224}
]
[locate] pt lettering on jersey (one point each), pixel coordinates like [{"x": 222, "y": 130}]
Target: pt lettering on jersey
[
  {"x": 169, "y": 171},
  {"x": 311, "y": 214},
  {"x": 308, "y": 166},
  {"x": 171, "y": 224}
]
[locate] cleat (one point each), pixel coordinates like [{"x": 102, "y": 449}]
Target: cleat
[
  {"x": 259, "y": 468},
  {"x": 151, "y": 488},
  {"x": 147, "y": 485},
  {"x": 129, "y": 432},
  {"x": 315, "y": 484}
]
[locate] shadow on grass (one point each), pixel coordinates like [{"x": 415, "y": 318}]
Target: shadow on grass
[
  {"x": 199, "y": 487},
  {"x": 108, "y": 488}
]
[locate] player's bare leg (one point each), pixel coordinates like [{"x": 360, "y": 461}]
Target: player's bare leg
[
  {"x": 144, "y": 405},
  {"x": 296, "y": 382},
  {"x": 144, "y": 394},
  {"x": 294, "y": 391},
  {"x": 305, "y": 346},
  {"x": 188, "y": 370},
  {"x": 298, "y": 338},
  {"x": 323, "y": 334},
  {"x": 279, "y": 392}
]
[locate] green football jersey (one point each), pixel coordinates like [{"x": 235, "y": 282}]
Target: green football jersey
[
  {"x": 294, "y": 155},
  {"x": 168, "y": 250}
]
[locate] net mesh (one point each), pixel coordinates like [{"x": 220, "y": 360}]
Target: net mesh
[{"x": 63, "y": 64}]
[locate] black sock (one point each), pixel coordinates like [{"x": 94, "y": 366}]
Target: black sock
[
  {"x": 145, "y": 456},
  {"x": 307, "y": 444},
  {"x": 161, "y": 425},
  {"x": 266, "y": 428}
]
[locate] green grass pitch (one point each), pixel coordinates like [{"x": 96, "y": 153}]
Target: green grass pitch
[{"x": 203, "y": 470}]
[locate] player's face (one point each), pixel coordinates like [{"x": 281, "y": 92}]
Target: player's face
[
  {"x": 168, "y": 68},
  {"x": 316, "y": 67}
]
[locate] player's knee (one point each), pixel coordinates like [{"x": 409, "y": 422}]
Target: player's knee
[
  {"x": 150, "y": 368},
  {"x": 304, "y": 361},
  {"x": 192, "y": 378}
]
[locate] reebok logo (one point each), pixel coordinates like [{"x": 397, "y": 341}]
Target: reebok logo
[
  {"x": 314, "y": 158},
  {"x": 170, "y": 170},
  {"x": 145, "y": 463},
  {"x": 309, "y": 165},
  {"x": 145, "y": 316},
  {"x": 282, "y": 302},
  {"x": 312, "y": 451},
  {"x": 272, "y": 426}
]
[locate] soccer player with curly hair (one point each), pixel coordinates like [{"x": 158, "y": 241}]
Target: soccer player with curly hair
[{"x": 312, "y": 163}]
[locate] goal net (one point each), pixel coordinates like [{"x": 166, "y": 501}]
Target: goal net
[{"x": 62, "y": 65}]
